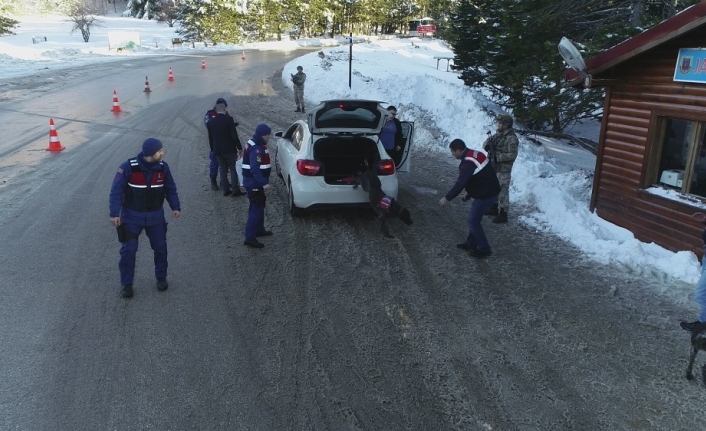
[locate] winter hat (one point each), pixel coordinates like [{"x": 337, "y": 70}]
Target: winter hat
[
  {"x": 151, "y": 146},
  {"x": 222, "y": 100},
  {"x": 392, "y": 108},
  {"x": 263, "y": 130}
]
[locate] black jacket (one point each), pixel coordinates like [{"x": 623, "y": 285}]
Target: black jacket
[
  {"x": 222, "y": 135},
  {"x": 399, "y": 139},
  {"x": 480, "y": 182}
]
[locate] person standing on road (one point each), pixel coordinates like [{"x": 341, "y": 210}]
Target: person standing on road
[
  {"x": 700, "y": 289},
  {"x": 136, "y": 202},
  {"x": 225, "y": 144},
  {"x": 502, "y": 149},
  {"x": 213, "y": 161},
  {"x": 298, "y": 80},
  {"x": 391, "y": 135},
  {"x": 256, "y": 174},
  {"x": 477, "y": 176}
]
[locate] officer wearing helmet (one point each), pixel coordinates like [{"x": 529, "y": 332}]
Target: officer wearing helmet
[
  {"x": 502, "y": 150},
  {"x": 298, "y": 81}
]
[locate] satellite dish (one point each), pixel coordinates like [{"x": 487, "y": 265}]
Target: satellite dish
[{"x": 571, "y": 55}]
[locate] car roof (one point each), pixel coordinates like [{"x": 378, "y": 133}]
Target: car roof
[{"x": 347, "y": 115}]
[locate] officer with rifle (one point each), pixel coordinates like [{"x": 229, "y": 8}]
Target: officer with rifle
[{"x": 502, "y": 150}]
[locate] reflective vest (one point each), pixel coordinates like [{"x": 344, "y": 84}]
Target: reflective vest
[
  {"x": 477, "y": 158},
  {"x": 264, "y": 161},
  {"x": 210, "y": 114},
  {"x": 143, "y": 196}
]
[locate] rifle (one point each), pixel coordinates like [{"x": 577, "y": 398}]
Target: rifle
[{"x": 492, "y": 148}]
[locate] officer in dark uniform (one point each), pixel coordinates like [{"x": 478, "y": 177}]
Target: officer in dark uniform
[
  {"x": 477, "y": 176},
  {"x": 136, "y": 199},
  {"x": 256, "y": 174}
]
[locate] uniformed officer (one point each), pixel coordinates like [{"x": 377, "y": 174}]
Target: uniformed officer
[
  {"x": 478, "y": 178},
  {"x": 502, "y": 149},
  {"x": 298, "y": 79},
  {"x": 256, "y": 174},
  {"x": 136, "y": 199}
]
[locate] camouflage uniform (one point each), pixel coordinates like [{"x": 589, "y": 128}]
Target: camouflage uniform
[
  {"x": 502, "y": 149},
  {"x": 298, "y": 80}
]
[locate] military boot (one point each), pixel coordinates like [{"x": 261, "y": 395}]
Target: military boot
[
  {"x": 493, "y": 210},
  {"x": 501, "y": 217}
]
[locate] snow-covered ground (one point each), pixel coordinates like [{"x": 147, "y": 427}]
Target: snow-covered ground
[{"x": 551, "y": 180}]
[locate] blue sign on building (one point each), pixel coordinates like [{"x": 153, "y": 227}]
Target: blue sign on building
[{"x": 691, "y": 65}]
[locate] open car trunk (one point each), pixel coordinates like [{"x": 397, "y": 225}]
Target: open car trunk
[{"x": 343, "y": 157}]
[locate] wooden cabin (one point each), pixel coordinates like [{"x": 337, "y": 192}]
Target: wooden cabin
[{"x": 650, "y": 172}]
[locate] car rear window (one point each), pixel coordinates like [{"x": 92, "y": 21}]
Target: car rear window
[{"x": 342, "y": 114}]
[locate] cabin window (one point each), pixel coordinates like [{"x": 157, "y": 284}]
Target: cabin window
[{"x": 679, "y": 156}]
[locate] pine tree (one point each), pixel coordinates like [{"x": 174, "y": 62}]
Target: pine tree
[
  {"x": 7, "y": 24},
  {"x": 140, "y": 8},
  {"x": 217, "y": 21}
]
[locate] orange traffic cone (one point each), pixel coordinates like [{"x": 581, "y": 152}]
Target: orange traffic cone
[
  {"x": 54, "y": 144},
  {"x": 171, "y": 75},
  {"x": 116, "y": 107},
  {"x": 147, "y": 85},
  {"x": 243, "y": 57},
  {"x": 203, "y": 64}
]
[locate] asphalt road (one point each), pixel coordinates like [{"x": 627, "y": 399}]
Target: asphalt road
[{"x": 330, "y": 326}]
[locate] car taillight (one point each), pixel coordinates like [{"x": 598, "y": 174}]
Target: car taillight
[
  {"x": 308, "y": 167},
  {"x": 386, "y": 167}
]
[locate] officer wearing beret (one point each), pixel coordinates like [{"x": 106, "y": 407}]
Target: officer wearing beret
[
  {"x": 256, "y": 179},
  {"x": 136, "y": 202}
]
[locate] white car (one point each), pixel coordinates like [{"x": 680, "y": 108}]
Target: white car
[{"x": 319, "y": 159}]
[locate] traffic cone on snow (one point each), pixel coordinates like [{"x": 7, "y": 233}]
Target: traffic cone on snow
[
  {"x": 171, "y": 75},
  {"x": 147, "y": 85},
  {"x": 203, "y": 64},
  {"x": 116, "y": 107},
  {"x": 54, "y": 144},
  {"x": 243, "y": 57}
]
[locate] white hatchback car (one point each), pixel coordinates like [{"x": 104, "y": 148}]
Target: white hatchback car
[{"x": 319, "y": 159}]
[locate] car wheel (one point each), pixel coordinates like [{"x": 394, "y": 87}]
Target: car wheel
[{"x": 293, "y": 209}]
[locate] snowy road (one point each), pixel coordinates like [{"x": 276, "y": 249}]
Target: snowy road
[{"x": 330, "y": 326}]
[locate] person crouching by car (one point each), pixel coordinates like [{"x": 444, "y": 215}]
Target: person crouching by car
[{"x": 256, "y": 174}]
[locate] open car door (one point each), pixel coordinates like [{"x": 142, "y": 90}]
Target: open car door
[{"x": 403, "y": 164}]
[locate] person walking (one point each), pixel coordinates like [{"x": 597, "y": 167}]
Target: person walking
[
  {"x": 700, "y": 289},
  {"x": 213, "y": 161},
  {"x": 225, "y": 144},
  {"x": 477, "y": 176},
  {"x": 256, "y": 174},
  {"x": 502, "y": 149},
  {"x": 136, "y": 202},
  {"x": 391, "y": 135},
  {"x": 298, "y": 80}
]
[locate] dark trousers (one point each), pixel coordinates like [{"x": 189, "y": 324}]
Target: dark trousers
[
  {"x": 476, "y": 235},
  {"x": 226, "y": 163},
  {"x": 256, "y": 213},
  {"x": 212, "y": 166},
  {"x": 157, "y": 235}
]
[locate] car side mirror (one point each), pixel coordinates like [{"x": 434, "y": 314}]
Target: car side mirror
[{"x": 279, "y": 134}]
